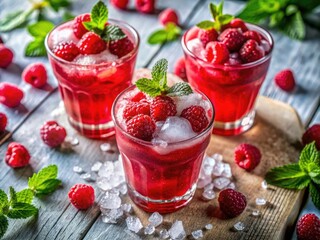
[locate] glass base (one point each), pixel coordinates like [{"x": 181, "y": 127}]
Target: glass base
[
  {"x": 100, "y": 131},
  {"x": 236, "y": 127},
  {"x": 161, "y": 206}
]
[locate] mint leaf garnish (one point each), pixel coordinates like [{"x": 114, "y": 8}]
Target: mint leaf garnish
[
  {"x": 309, "y": 158},
  {"x": 149, "y": 87},
  {"x": 14, "y": 20},
  {"x": 113, "y": 33},
  {"x": 294, "y": 27},
  {"x": 180, "y": 89},
  {"x": 314, "y": 190},
  {"x": 3, "y": 225},
  {"x": 25, "y": 196},
  {"x": 169, "y": 33},
  {"x": 99, "y": 15},
  {"x": 22, "y": 210},
  {"x": 288, "y": 176},
  {"x": 159, "y": 71},
  {"x": 3, "y": 200},
  {"x": 206, "y": 24},
  {"x": 48, "y": 186},
  {"x": 40, "y": 29},
  {"x": 13, "y": 196}
]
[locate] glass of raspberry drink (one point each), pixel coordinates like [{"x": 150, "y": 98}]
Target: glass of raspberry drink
[
  {"x": 92, "y": 67},
  {"x": 162, "y": 140},
  {"x": 229, "y": 66}
]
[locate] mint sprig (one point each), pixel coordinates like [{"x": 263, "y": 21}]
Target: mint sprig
[
  {"x": 305, "y": 173},
  {"x": 157, "y": 85},
  {"x": 169, "y": 33},
  {"x": 99, "y": 17},
  {"x": 19, "y": 204}
]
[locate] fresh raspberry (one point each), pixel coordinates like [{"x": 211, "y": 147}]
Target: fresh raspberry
[
  {"x": 145, "y": 6},
  {"x": 78, "y": 28},
  {"x": 217, "y": 52},
  {"x": 6, "y": 56},
  {"x": 134, "y": 109},
  {"x": 81, "y": 196},
  {"x": 66, "y": 50},
  {"x": 251, "y": 51},
  {"x": 52, "y": 133},
  {"x": 238, "y": 23},
  {"x": 207, "y": 36},
  {"x": 196, "y": 115},
  {"x": 252, "y": 35},
  {"x": 308, "y": 227},
  {"x": 285, "y": 80},
  {"x": 162, "y": 107},
  {"x": 3, "y": 122},
  {"x": 35, "y": 74},
  {"x": 168, "y": 15},
  {"x": 312, "y": 134},
  {"x": 121, "y": 4},
  {"x": 17, "y": 155},
  {"x": 231, "y": 202},
  {"x": 138, "y": 97},
  {"x": 141, "y": 126},
  {"x": 180, "y": 68},
  {"x": 232, "y": 38},
  {"x": 91, "y": 43},
  {"x": 10, "y": 94},
  {"x": 247, "y": 156},
  {"x": 121, "y": 47}
]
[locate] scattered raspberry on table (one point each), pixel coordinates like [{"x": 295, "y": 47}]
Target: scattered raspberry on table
[
  {"x": 10, "y": 94},
  {"x": 3, "y": 122},
  {"x": 52, "y": 133},
  {"x": 231, "y": 202},
  {"x": 285, "y": 80},
  {"x": 35, "y": 74},
  {"x": 312, "y": 134},
  {"x": 168, "y": 15},
  {"x": 6, "y": 56},
  {"x": 247, "y": 156},
  {"x": 308, "y": 227},
  {"x": 17, "y": 155},
  {"x": 82, "y": 196}
]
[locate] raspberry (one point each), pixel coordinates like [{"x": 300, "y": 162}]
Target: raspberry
[
  {"x": 308, "y": 227},
  {"x": 312, "y": 134},
  {"x": 35, "y": 74},
  {"x": 252, "y": 35},
  {"x": 145, "y": 6},
  {"x": 91, "y": 43},
  {"x": 168, "y": 15},
  {"x": 17, "y": 155},
  {"x": 10, "y": 94},
  {"x": 66, "y": 50},
  {"x": 251, "y": 51},
  {"x": 238, "y": 23},
  {"x": 232, "y": 38},
  {"x": 81, "y": 196},
  {"x": 196, "y": 115},
  {"x": 121, "y": 47},
  {"x": 138, "y": 97},
  {"x": 162, "y": 107},
  {"x": 206, "y": 36},
  {"x": 121, "y": 4},
  {"x": 141, "y": 126},
  {"x": 78, "y": 28},
  {"x": 247, "y": 156},
  {"x": 52, "y": 133},
  {"x": 285, "y": 80},
  {"x": 3, "y": 122},
  {"x": 134, "y": 109},
  {"x": 6, "y": 56},
  {"x": 217, "y": 52},
  {"x": 180, "y": 68},
  {"x": 231, "y": 202}
]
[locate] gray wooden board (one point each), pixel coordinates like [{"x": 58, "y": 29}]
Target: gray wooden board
[{"x": 302, "y": 57}]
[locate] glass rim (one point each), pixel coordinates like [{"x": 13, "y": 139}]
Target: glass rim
[
  {"x": 118, "y": 125},
  {"x": 265, "y": 32},
  {"x": 119, "y": 60}
]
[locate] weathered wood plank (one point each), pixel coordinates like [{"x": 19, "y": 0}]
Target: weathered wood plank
[{"x": 297, "y": 55}]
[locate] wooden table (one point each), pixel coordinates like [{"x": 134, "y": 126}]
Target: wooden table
[{"x": 58, "y": 219}]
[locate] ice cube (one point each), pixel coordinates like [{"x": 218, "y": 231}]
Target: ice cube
[
  {"x": 176, "y": 129},
  {"x": 209, "y": 160},
  {"x": 96, "y": 166},
  {"x": 107, "y": 147},
  {"x": 256, "y": 213},
  {"x": 218, "y": 169},
  {"x": 202, "y": 182},
  {"x": 197, "y": 234},
  {"x": 134, "y": 224},
  {"x": 239, "y": 226},
  {"x": 87, "y": 177},
  {"x": 123, "y": 188},
  {"x": 110, "y": 201},
  {"x": 63, "y": 35},
  {"x": 208, "y": 195},
  {"x": 106, "y": 169},
  {"x": 114, "y": 191},
  {"x": 112, "y": 214},
  {"x": 221, "y": 182},
  {"x": 149, "y": 229},
  {"x": 177, "y": 231},
  {"x": 155, "y": 219},
  {"x": 73, "y": 141},
  {"x": 126, "y": 207},
  {"x": 217, "y": 157},
  {"x": 77, "y": 169},
  {"x": 207, "y": 169},
  {"x": 208, "y": 226},
  {"x": 231, "y": 185},
  {"x": 227, "y": 171},
  {"x": 107, "y": 219},
  {"x": 103, "y": 183},
  {"x": 104, "y": 56},
  {"x": 264, "y": 184},
  {"x": 196, "y": 46},
  {"x": 163, "y": 234},
  {"x": 209, "y": 186},
  {"x": 194, "y": 99},
  {"x": 261, "y": 201}
]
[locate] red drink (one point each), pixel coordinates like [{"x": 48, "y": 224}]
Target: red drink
[
  {"x": 89, "y": 83},
  {"x": 162, "y": 173},
  {"x": 232, "y": 88}
]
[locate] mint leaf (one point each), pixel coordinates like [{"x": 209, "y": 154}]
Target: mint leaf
[
  {"x": 291, "y": 9},
  {"x": 294, "y": 27},
  {"x": 180, "y": 89},
  {"x": 25, "y": 196},
  {"x": 22, "y": 210},
  {"x": 173, "y": 31},
  {"x": 158, "y": 37},
  {"x": 57, "y": 4},
  {"x": 14, "y": 20},
  {"x": 225, "y": 19},
  {"x": 309, "y": 158},
  {"x": 314, "y": 190},
  {"x": 3, "y": 225},
  {"x": 112, "y": 33},
  {"x": 315, "y": 175},
  {"x": 288, "y": 176},
  {"x": 276, "y": 18},
  {"x": 206, "y": 25},
  {"x": 43, "y": 175},
  {"x": 36, "y": 48},
  {"x": 99, "y": 15},
  {"x": 13, "y": 196},
  {"x": 270, "y": 6},
  {"x": 213, "y": 10},
  {"x": 159, "y": 73},
  {"x": 40, "y": 29},
  {"x": 220, "y": 7},
  {"x": 3, "y": 199},
  {"x": 48, "y": 186},
  {"x": 149, "y": 87},
  {"x": 253, "y": 12}
]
